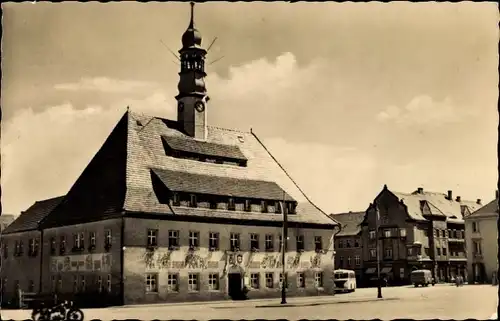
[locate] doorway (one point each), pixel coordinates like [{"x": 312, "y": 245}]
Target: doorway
[{"x": 234, "y": 288}]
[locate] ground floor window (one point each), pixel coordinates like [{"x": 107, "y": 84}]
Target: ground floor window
[
  {"x": 108, "y": 283},
  {"x": 269, "y": 280},
  {"x": 301, "y": 280},
  {"x": 286, "y": 280},
  {"x": 255, "y": 280},
  {"x": 173, "y": 282},
  {"x": 75, "y": 283},
  {"x": 193, "y": 282},
  {"x": 151, "y": 283},
  {"x": 318, "y": 279},
  {"x": 213, "y": 281},
  {"x": 99, "y": 284}
]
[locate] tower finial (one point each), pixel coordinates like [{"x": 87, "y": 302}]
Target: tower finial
[{"x": 191, "y": 23}]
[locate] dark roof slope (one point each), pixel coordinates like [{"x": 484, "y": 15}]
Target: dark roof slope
[
  {"x": 30, "y": 219},
  {"x": 487, "y": 210},
  {"x": 350, "y": 222}
]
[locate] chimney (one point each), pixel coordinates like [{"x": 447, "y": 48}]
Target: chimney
[
  {"x": 478, "y": 201},
  {"x": 450, "y": 195},
  {"x": 458, "y": 199},
  {"x": 420, "y": 190}
]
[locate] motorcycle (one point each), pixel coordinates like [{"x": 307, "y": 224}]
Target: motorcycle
[{"x": 64, "y": 311}]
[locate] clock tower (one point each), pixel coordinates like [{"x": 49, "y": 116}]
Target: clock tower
[{"x": 192, "y": 98}]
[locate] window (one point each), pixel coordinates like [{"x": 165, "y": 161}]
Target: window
[
  {"x": 388, "y": 253},
  {"x": 341, "y": 244},
  {"x": 152, "y": 238},
  {"x": 477, "y": 248},
  {"x": 248, "y": 206},
  {"x": 62, "y": 245},
  {"x": 75, "y": 283},
  {"x": 443, "y": 233},
  {"x": 301, "y": 280},
  {"x": 194, "y": 239},
  {"x": 82, "y": 283},
  {"x": 341, "y": 261},
  {"x": 176, "y": 201},
  {"x": 349, "y": 261},
  {"x": 356, "y": 243},
  {"x": 92, "y": 240},
  {"x": 347, "y": 243},
  {"x": 151, "y": 283},
  {"x": 213, "y": 281},
  {"x": 444, "y": 251},
  {"x": 192, "y": 201},
  {"x": 231, "y": 206},
  {"x": 373, "y": 253},
  {"x": 458, "y": 234},
  {"x": 53, "y": 283},
  {"x": 31, "y": 247},
  {"x": 263, "y": 206},
  {"x": 5, "y": 250},
  {"x": 438, "y": 251},
  {"x": 357, "y": 260},
  {"x": 173, "y": 282},
  {"x": 254, "y": 242},
  {"x": 300, "y": 243},
  {"x": 78, "y": 241},
  {"x": 107, "y": 239},
  {"x": 99, "y": 284},
  {"x": 409, "y": 251},
  {"x": 20, "y": 248},
  {"x": 193, "y": 282},
  {"x": 269, "y": 243},
  {"x": 426, "y": 251},
  {"x": 213, "y": 241},
  {"x": 475, "y": 227},
  {"x": 59, "y": 284},
  {"x": 173, "y": 239},
  {"x": 269, "y": 280},
  {"x": 373, "y": 235},
  {"x": 387, "y": 233},
  {"x": 280, "y": 242},
  {"x": 281, "y": 280},
  {"x": 402, "y": 232},
  {"x": 108, "y": 283},
  {"x": 318, "y": 244},
  {"x": 426, "y": 233},
  {"x": 277, "y": 207},
  {"x": 234, "y": 242},
  {"x": 31, "y": 287},
  {"x": 318, "y": 279},
  {"x": 255, "y": 280}
]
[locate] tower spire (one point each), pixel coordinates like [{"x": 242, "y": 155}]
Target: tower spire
[{"x": 191, "y": 23}]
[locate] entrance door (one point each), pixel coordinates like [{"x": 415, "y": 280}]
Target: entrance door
[{"x": 234, "y": 285}]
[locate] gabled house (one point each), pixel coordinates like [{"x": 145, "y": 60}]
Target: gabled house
[
  {"x": 177, "y": 210},
  {"x": 348, "y": 243},
  {"x": 21, "y": 253},
  {"x": 481, "y": 231},
  {"x": 416, "y": 230}
]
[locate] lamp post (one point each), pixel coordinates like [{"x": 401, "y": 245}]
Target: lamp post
[
  {"x": 283, "y": 250},
  {"x": 379, "y": 286}
]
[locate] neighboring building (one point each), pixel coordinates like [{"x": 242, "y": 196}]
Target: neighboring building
[
  {"x": 418, "y": 230},
  {"x": 349, "y": 254},
  {"x": 6, "y": 220},
  {"x": 21, "y": 255},
  {"x": 181, "y": 211},
  {"x": 481, "y": 230}
]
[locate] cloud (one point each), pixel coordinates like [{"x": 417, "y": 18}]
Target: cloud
[
  {"x": 105, "y": 84},
  {"x": 423, "y": 110}
]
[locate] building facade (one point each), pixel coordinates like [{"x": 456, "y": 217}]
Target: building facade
[
  {"x": 420, "y": 230},
  {"x": 348, "y": 243},
  {"x": 177, "y": 210},
  {"x": 21, "y": 253},
  {"x": 481, "y": 231}
]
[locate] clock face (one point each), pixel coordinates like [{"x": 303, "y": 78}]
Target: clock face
[
  {"x": 180, "y": 106},
  {"x": 199, "y": 106}
]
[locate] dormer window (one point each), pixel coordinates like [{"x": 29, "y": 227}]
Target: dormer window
[
  {"x": 192, "y": 201},
  {"x": 248, "y": 206},
  {"x": 263, "y": 205},
  {"x": 231, "y": 205},
  {"x": 277, "y": 207},
  {"x": 176, "y": 199},
  {"x": 291, "y": 207}
]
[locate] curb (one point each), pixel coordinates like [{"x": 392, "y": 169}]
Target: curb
[{"x": 323, "y": 303}]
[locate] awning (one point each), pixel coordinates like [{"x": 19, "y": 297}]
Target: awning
[
  {"x": 370, "y": 270},
  {"x": 386, "y": 270}
]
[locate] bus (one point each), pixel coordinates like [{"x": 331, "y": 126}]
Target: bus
[{"x": 345, "y": 280}]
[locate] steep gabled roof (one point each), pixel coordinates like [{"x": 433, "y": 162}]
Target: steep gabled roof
[
  {"x": 30, "y": 219},
  {"x": 119, "y": 178},
  {"x": 489, "y": 209},
  {"x": 438, "y": 204},
  {"x": 350, "y": 222}
]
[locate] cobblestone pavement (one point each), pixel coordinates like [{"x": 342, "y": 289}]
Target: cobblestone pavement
[{"x": 441, "y": 302}]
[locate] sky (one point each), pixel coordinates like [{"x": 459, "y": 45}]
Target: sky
[{"x": 348, "y": 96}]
